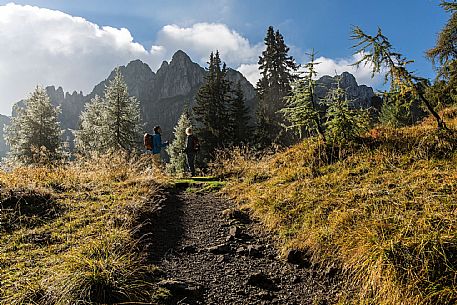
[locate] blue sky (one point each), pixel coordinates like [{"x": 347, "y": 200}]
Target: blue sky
[{"x": 77, "y": 53}]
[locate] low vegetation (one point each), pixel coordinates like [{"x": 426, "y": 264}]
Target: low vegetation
[
  {"x": 383, "y": 210},
  {"x": 69, "y": 233}
]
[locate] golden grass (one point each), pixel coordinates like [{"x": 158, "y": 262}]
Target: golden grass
[
  {"x": 84, "y": 250},
  {"x": 385, "y": 212}
]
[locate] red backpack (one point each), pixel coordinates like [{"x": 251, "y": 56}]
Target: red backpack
[{"x": 147, "y": 139}]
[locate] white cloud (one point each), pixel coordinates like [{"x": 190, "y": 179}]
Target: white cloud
[
  {"x": 48, "y": 47},
  {"x": 328, "y": 66},
  {"x": 201, "y": 39},
  {"x": 251, "y": 72}
]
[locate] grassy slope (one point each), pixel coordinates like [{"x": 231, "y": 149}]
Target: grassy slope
[
  {"x": 67, "y": 233},
  {"x": 385, "y": 213}
]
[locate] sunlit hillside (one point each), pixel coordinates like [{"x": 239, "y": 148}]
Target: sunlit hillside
[{"x": 384, "y": 211}]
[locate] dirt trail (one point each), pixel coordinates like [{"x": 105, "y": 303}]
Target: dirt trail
[{"x": 211, "y": 257}]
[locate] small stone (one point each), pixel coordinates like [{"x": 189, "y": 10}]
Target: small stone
[
  {"x": 265, "y": 295},
  {"x": 190, "y": 249},
  {"x": 255, "y": 251},
  {"x": 219, "y": 249},
  {"x": 235, "y": 231},
  {"x": 242, "y": 251},
  {"x": 296, "y": 279},
  {"x": 222, "y": 258},
  {"x": 260, "y": 280},
  {"x": 298, "y": 257},
  {"x": 229, "y": 238}
]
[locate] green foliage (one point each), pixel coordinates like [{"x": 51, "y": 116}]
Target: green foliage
[
  {"x": 377, "y": 51},
  {"x": 177, "y": 162},
  {"x": 239, "y": 129},
  {"x": 344, "y": 124},
  {"x": 34, "y": 135},
  {"x": 399, "y": 111},
  {"x": 277, "y": 74},
  {"x": 111, "y": 122},
  {"x": 445, "y": 49},
  {"x": 302, "y": 106}
]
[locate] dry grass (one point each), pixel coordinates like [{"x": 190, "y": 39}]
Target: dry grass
[
  {"x": 385, "y": 212},
  {"x": 67, "y": 232}
]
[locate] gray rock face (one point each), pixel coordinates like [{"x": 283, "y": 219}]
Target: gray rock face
[
  {"x": 360, "y": 95},
  {"x": 4, "y": 120}
]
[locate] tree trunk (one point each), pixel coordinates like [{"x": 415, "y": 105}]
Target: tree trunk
[{"x": 439, "y": 120}]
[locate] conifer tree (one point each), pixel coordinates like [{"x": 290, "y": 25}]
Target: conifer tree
[
  {"x": 34, "y": 135},
  {"x": 111, "y": 122},
  {"x": 211, "y": 108},
  {"x": 239, "y": 129},
  {"x": 94, "y": 131},
  {"x": 123, "y": 114},
  {"x": 277, "y": 73},
  {"x": 378, "y": 51},
  {"x": 177, "y": 163},
  {"x": 444, "y": 57},
  {"x": 302, "y": 110},
  {"x": 344, "y": 124}
]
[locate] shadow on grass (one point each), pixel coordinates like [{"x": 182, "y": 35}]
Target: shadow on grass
[{"x": 26, "y": 209}]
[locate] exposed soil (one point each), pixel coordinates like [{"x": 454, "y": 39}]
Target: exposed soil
[{"x": 211, "y": 256}]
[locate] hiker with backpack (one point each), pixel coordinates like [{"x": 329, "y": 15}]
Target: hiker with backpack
[
  {"x": 192, "y": 147},
  {"x": 154, "y": 144}
]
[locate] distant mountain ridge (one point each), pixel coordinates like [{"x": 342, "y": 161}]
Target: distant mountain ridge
[{"x": 164, "y": 94}]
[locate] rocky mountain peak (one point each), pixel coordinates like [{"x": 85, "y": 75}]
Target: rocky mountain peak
[
  {"x": 180, "y": 56},
  {"x": 360, "y": 95},
  {"x": 179, "y": 77}
]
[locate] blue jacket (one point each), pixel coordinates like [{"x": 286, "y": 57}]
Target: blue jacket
[{"x": 157, "y": 143}]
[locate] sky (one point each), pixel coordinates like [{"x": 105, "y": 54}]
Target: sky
[{"x": 76, "y": 44}]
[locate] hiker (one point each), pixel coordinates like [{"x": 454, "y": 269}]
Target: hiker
[
  {"x": 157, "y": 144},
  {"x": 192, "y": 147}
]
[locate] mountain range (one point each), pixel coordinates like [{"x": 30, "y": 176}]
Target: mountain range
[{"x": 164, "y": 94}]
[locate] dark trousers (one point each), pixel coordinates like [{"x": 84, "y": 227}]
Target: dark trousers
[{"x": 190, "y": 157}]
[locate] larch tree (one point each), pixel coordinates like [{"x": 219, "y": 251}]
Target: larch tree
[
  {"x": 111, "y": 122},
  {"x": 277, "y": 70},
  {"x": 377, "y": 51},
  {"x": 94, "y": 131},
  {"x": 34, "y": 134},
  {"x": 177, "y": 162},
  {"x": 444, "y": 55}
]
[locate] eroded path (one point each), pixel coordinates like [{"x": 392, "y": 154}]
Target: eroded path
[{"x": 212, "y": 255}]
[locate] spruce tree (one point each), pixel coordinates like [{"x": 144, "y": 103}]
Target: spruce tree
[
  {"x": 378, "y": 51},
  {"x": 111, "y": 122},
  {"x": 239, "y": 129},
  {"x": 177, "y": 163},
  {"x": 277, "y": 73},
  {"x": 211, "y": 108},
  {"x": 302, "y": 110},
  {"x": 34, "y": 135}
]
